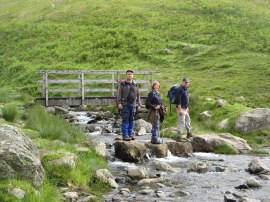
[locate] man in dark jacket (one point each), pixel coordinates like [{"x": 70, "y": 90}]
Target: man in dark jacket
[
  {"x": 182, "y": 103},
  {"x": 128, "y": 101}
]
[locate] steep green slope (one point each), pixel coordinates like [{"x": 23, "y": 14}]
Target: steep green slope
[{"x": 223, "y": 46}]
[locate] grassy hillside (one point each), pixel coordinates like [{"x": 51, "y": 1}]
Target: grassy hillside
[{"x": 223, "y": 46}]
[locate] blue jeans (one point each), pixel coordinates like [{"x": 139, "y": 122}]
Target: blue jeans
[
  {"x": 155, "y": 130},
  {"x": 128, "y": 117}
]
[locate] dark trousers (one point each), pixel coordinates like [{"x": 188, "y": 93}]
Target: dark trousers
[{"x": 128, "y": 117}]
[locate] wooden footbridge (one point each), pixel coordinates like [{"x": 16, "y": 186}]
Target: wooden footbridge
[{"x": 86, "y": 87}]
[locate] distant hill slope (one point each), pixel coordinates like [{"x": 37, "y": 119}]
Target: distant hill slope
[{"x": 223, "y": 46}]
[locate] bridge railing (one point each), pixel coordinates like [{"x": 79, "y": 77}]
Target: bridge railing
[{"x": 87, "y": 83}]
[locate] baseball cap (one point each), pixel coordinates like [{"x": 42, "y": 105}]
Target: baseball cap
[
  {"x": 129, "y": 70},
  {"x": 186, "y": 80}
]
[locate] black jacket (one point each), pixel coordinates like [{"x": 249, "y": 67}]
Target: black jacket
[{"x": 182, "y": 97}]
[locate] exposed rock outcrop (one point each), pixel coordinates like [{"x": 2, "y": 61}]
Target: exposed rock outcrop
[
  {"x": 19, "y": 157},
  {"x": 208, "y": 143},
  {"x": 253, "y": 120}
]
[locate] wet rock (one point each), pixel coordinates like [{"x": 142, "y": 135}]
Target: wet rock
[
  {"x": 149, "y": 181},
  {"x": 17, "y": 192},
  {"x": 205, "y": 116},
  {"x": 257, "y": 167},
  {"x": 228, "y": 197},
  {"x": 146, "y": 191},
  {"x": 253, "y": 183},
  {"x": 124, "y": 191},
  {"x": 181, "y": 193},
  {"x": 121, "y": 180},
  {"x": 199, "y": 167},
  {"x": 142, "y": 131},
  {"x": 253, "y": 120},
  {"x": 180, "y": 148},
  {"x": 247, "y": 199},
  {"x": 140, "y": 123},
  {"x": 93, "y": 127},
  {"x": 19, "y": 157},
  {"x": 106, "y": 130},
  {"x": 242, "y": 186},
  {"x": 100, "y": 148},
  {"x": 265, "y": 177},
  {"x": 137, "y": 173},
  {"x": 50, "y": 110},
  {"x": 162, "y": 166},
  {"x": 208, "y": 143},
  {"x": 60, "y": 110},
  {"x": 159, "y": 150},
  {"x": 160, "y": 194},
  {"x": 104, "y": 175},
  {"x": 104, "y": 115},
  {"x": 219, "y": 169},
  {"x": 131, "y": 151}
]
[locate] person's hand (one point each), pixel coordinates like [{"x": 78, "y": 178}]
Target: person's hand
[
  {"x": 187, "y": 110},
  {"x": 181, "y": 111},
  {"x": 157, "y": 107},
  {"x": 120, "y": 106},
  {"x": 138, "y": 108}
]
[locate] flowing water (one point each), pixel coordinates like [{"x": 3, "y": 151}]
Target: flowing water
[{"x": 180, "y": 185}]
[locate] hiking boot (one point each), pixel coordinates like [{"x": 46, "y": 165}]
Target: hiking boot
[
  {"x": 126, "y": 139},
  {"x": 118, "y": 138},
  {"x": 155, "y": 142},
  {"x": 132, "y": 137},
  {"x": 189, "y": 135},
  {"x": 180, "y": 139}
]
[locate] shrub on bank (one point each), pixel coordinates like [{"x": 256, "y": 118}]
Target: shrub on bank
[{"x": 10, "y": 112}]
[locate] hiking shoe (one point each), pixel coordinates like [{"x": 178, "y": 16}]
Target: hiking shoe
[
  {"x": 189, "y": 135},
  {"x": 126, "y": 139},
  {"x": 155, "y": 142},
  {"x": 180, "y": 139},
  {"x": 132, "y": 137}
]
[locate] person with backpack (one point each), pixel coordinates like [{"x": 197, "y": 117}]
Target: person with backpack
[
  {"x": 128, "y": 101},
  {"x": 156, "y": 109},
  {"x": 182, "y": 103}
]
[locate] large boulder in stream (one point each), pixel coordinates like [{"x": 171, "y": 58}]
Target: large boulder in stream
[
  {"x": 208, "y": 143},
  {"x": 19, "y": 157},
  {"x": 180, "y": 148},
  {"x": 132, "y": 151},
  {"x": 140, "y": 123},
  {"x": 159, "y": 150},
  {"x": 253, "y": 120},
  {"x": 257, "y": 167}
]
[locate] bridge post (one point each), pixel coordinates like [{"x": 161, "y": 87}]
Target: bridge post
[
  {"x": 82, "y": 81},
  {"x": 113, "y": 84},
  {"x": 46, "y": 90}
]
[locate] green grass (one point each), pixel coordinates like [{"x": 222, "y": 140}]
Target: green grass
[
  {"x": 52, "y": 127},
  {"x": 219, "y": 45},
  {"x": 10, "y": 112},
  {"x": 46, "y": 193},
  {"x": 224, "y": 149},
  {"x": 81, "y": 176}
]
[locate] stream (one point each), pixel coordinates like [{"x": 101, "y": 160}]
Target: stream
[{"x": 225, "y": 172}]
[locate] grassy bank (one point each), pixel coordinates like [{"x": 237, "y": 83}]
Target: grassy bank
[{"x": 220, "y": 45}]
